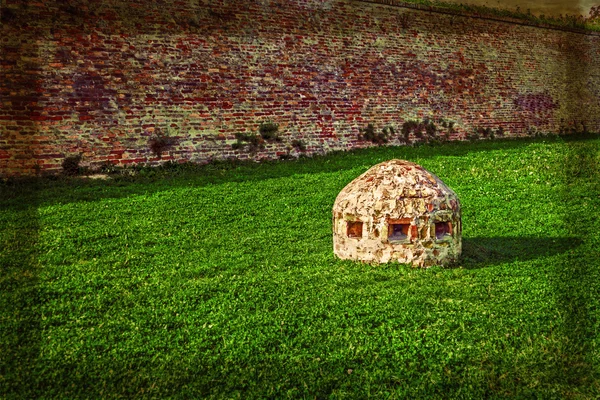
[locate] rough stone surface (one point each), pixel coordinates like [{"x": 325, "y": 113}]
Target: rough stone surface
[
  {"x": 143, "y": 82},
  {"x": 397, "y": 211}
]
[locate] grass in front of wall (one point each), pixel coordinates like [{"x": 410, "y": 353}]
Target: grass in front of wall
[{"x": 219, "y": 281}]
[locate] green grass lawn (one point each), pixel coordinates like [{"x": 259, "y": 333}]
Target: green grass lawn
[{"x": 220, "y": 281}]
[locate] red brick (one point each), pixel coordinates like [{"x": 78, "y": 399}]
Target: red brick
[{"x": 319, "y": 86}]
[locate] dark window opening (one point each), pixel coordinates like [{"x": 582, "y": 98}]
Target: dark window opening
[
  {"x": 443, "y": 229},
  {"x": 398, "y": 231},
  {"x": 355, "y": 229}
]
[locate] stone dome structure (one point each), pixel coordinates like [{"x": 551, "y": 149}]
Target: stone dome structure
[{"x": 397, "y": 211}]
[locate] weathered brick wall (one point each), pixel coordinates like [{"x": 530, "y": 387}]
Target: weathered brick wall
[{"x": 105, "y": 79}]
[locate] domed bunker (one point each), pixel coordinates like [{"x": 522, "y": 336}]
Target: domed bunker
[{"x": 397, "y": 211}]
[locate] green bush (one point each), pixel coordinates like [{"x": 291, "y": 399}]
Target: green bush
[{"x": 70, "y": 165}]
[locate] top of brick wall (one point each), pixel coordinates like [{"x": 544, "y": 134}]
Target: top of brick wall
[{"x": 442, "y": 10}]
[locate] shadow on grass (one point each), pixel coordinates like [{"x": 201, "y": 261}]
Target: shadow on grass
[
  {"x": 20, "y": 328},
  {"x": 481, "y": 252},
  {"x": 145, "y": 181},
  {"x": 576, "y": 282}
]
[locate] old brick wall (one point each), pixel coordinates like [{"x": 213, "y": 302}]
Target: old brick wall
[{"x": 113, "y": 80}]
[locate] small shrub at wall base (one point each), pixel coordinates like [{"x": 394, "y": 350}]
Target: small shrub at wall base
[
  {"x": 485, "y": 132},
  {"x": 418, "y": 130},
  {"x": 254, "y": 142},
  {"x": 533, "y": 132},
  {"x": 414, "y": 127},
  {"x": 430, "y": 128},
  {"x": 268, "y": 131},
  {"x": 159, "y": 144},
  {"x": 427, "y": 130},
  {"x": 298, "y": 145},
  {"x": 286, "y": 156},
  {"x": 388, "y": 132},
  {"x": 370, "y": 134},
  {"x": 407, "y": 127},
  {"x": 473, "y": 135},
  {"x": 107, "y": 168},
  {"x": 70, "y": 165}
]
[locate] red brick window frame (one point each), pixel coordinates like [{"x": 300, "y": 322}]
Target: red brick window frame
[
  {"x": 443, "y": 230},
  {"x": 399, "y": 230},
  {"x": 354, "y": 229}
]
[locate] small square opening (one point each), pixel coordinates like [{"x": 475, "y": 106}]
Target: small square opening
[
  {"x": 443, "y": 230},
  {"x": 354, "y": 229},
  {"x": 398, "y": 231}
]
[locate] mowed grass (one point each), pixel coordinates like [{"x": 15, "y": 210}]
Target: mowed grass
[{"x": 220, "y": 282}]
